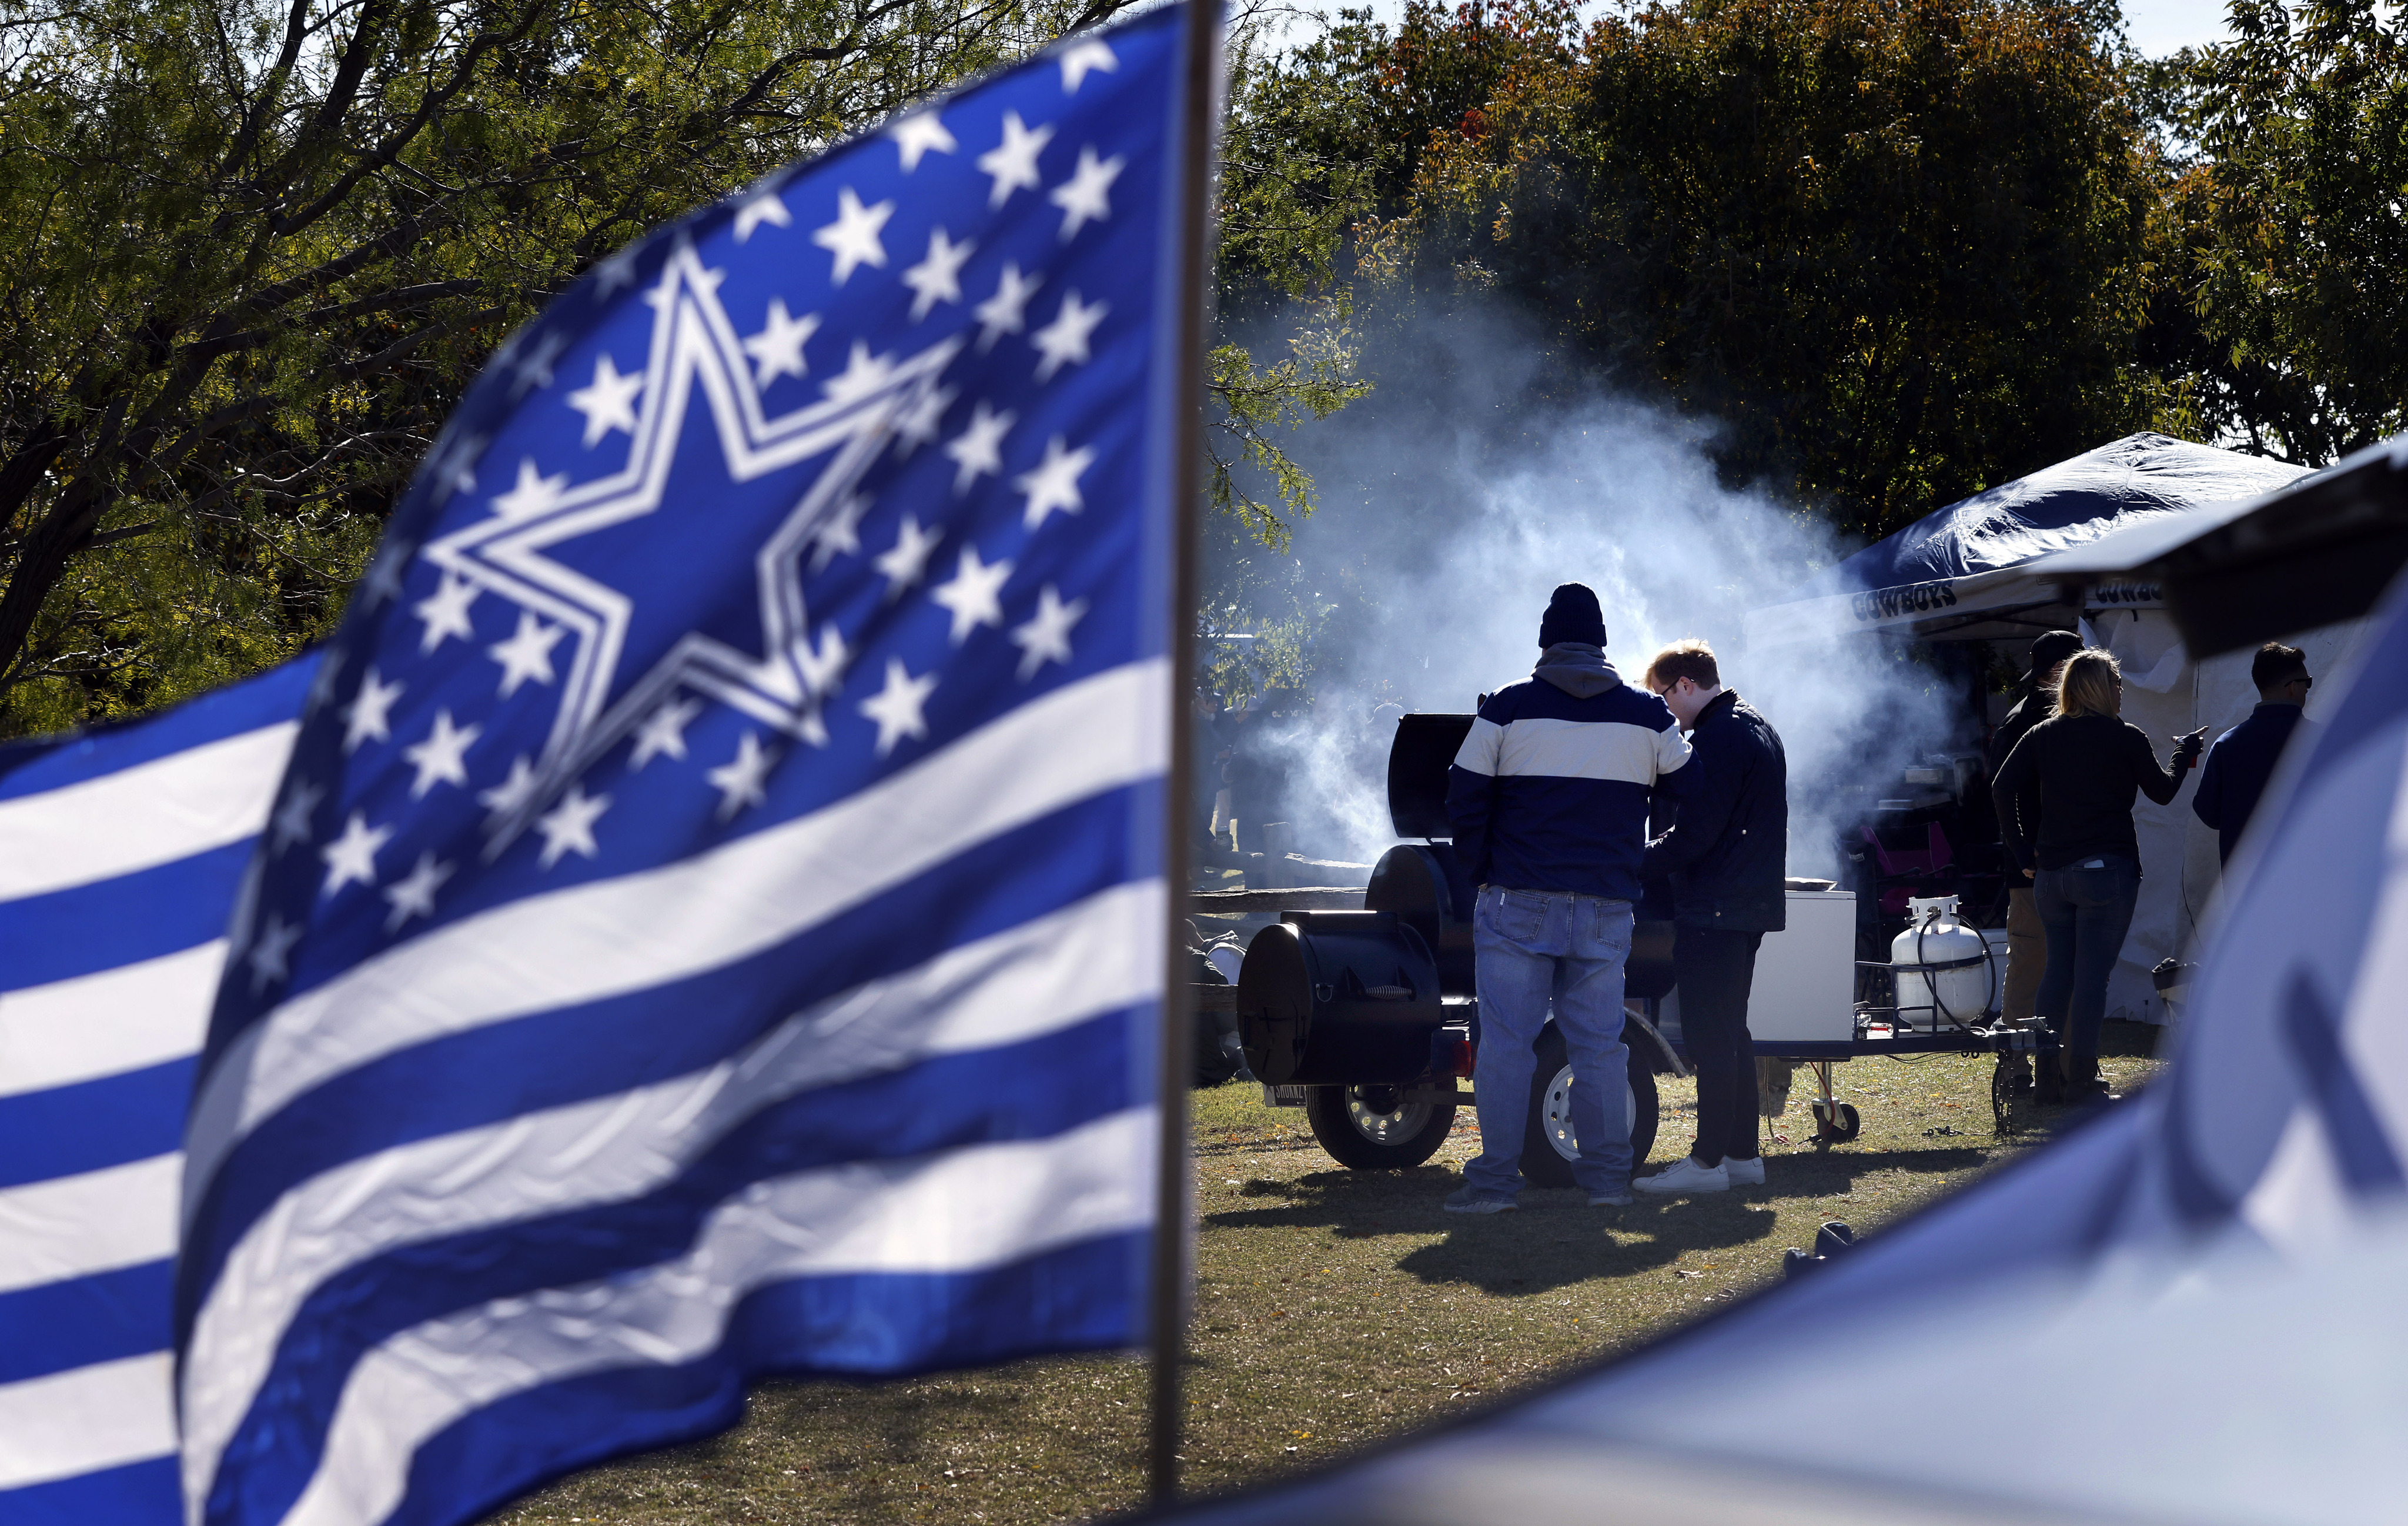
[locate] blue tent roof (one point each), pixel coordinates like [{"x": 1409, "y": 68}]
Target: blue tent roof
[{"x": 2068, "y": 504}]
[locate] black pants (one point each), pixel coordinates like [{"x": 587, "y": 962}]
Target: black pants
[{"x": 1714, "y": 969}]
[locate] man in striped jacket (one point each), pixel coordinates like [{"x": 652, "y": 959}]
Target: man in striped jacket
[{"x": 1550, "y": 797}]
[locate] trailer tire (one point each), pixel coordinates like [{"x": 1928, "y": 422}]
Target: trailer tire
[
  {"x": 1361, "y": 1139},
  {"x": 1548, "y": 1145}
]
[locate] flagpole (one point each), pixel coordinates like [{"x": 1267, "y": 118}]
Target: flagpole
[{"x": 1168, "y": 1314}]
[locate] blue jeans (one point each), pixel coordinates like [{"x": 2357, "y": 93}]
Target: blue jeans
[
  {"x": 2087, "y": 912},
  {"x": 1535, "y": 946}
]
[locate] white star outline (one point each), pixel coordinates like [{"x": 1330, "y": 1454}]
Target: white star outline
[{"x": 693, "y": 345}]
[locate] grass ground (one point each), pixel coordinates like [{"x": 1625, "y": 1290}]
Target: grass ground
[{"x": 1334, "y": 1308}]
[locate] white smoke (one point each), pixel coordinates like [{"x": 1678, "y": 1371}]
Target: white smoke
[{"x": 1432, "y": 605}]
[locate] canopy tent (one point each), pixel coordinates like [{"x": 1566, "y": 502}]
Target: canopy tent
[
  {"x": 2044, "y": 553},
  {"x": 2187, "y": 1310},
  {"x": 1977, "y": 569}
]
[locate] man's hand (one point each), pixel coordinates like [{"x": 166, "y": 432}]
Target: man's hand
[{"x": 2028, "y": 874}]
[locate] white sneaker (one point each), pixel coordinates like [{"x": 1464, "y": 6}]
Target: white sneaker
[
  {"x": 1683, "y": 1176},
  {"x": 1748, "y": 1172}
]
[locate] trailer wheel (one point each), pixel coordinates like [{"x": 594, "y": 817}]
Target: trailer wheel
[
  {"x": 1370, "y": 1129},
  {"x": 1548, "y": 1147},
  {"x": 1837, "y": 1128}
]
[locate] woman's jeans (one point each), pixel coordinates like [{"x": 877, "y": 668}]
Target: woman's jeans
[
  {"x": 1537, "y": 947},
  {"x": 2087, "y": 911}
]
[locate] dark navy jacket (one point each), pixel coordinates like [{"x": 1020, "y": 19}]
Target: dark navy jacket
[
  {"x": 1730, "y": 847},
  {"x": 1551, "y": 789},
  {"x": 2237, "y": 770}
]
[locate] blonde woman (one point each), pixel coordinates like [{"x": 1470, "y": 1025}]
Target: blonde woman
[{"x": 2065, "y": 811}]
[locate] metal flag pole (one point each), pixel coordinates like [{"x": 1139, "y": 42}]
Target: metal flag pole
[{"x": 1167, "y": 1313}]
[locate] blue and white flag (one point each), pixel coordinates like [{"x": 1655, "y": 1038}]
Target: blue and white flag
[
  {"x": 120, "y": 856},
  {"x": 713, "y": 922}
]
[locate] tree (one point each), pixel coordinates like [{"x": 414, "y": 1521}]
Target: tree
[
  {"x": 253, "y": 253},
  {"x": 2291, "y": 286}
]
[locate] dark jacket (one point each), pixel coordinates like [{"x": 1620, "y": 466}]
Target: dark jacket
[
  {"x": 1551, "y": 789},
  {"x": 2065, "y": 794},
  {"x": 1728, "y": 847},
  {"x": 2237, "y": 769}
]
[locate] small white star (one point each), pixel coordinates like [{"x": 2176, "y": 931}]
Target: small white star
[
  {"x": 293, "y": 816},
  {"x": 777, "y": 350},
  {"x": 853, "y": 237},
  {"x": 321, "y": 688},
  {"x": 705, "y": 284},
  {"x": 1086, "y": 196},
  {"x": 864, "y": 374},
  {"x": 1006, "y": 311},
  {"x": 609, "y": 403},
  {"x": 271, "y": 953},
  {"x": 446, "y": 612},
  {"x": 919, "y": 424},
  {"x": 528, "y": 654},
  {"x": 352, "y": 856},
  {"x": 1012, "y": 164},
  {"x": 906, "y": 563},
  {"x": 896, "y": 707},
  {"x": 384, "y": 576},
  {"x": 1053, "y": 483},
  {"x": 414, "y": 894},
  {"x": 369, "y": 715},
  {"x": 617, "y": 270},
  {"x": 442, "y": 757},
  {"x": 979, "y": 449},
  {"x": 534, "y": 368},
  {"x": 1047, "y": 638},
  {"x": 663, "y": 732},
  {"x": 739, "y": 781},
  {"x": 1064, "y": 339},
  {"x": 972, "y": 593},
  {"x": 939, "y": 277},
  {"x": 762, "y": 206},
  {"x": 1081, "y": 57},
  {"x": 839, "y": 535},
  {"x": 568, "y": 826},
  {"x": 533, "y": 493},
  {"x": 512, "y": 792},
  {"x": 455, "y": 466},
  {"x": 918, "y": 134}
]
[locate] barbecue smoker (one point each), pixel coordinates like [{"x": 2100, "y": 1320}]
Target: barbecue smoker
[{"x": 1365, "y": 1018}]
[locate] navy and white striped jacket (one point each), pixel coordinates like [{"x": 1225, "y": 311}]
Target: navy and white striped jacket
[{"x": 1551, "y": 790}]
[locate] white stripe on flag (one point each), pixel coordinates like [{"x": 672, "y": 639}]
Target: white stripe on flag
[
  {"x": 1098, "y": 956},
  {"x": 152, "y": 813},
  {"x": 98, "y": 1221},
  {"x": 107, "y": 1024},
  {"x": 614, "y": 936},
  {"x": 104, "y": 1416},
  {"x": 963, "y": 1211}
]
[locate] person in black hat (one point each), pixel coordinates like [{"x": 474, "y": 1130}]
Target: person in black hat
[
  {"x": 1549, "y": 797},
  {"x": 2027, "y": 941}
]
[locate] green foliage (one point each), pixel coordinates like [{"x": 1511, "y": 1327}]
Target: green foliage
[{"x": 2293, "y": 272}]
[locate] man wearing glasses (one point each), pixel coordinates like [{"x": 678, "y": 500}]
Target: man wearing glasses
[
  {"x": 2244, "y": 757},
  {"x": 1725, "y": 853}
]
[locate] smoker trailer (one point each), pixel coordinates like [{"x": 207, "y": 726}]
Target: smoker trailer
[{"x": 1367, "y": 1019}]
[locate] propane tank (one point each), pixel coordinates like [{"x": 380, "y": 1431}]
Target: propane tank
[{"x": 1941, "y": 969}]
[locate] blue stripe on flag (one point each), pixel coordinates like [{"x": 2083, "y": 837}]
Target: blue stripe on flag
[
  {"x": 137, "y": 1495},
  {"x": 31, "y": 768},
  {"x": 67, "y": 1130},
  {"x": 1034, "y": 1090},
  {"x": 120, "y": 921},
  {"x": 515, "y": 1067},
  {"x": 1069, "y": 1300},
  {"x": 75, "y": 1323}
]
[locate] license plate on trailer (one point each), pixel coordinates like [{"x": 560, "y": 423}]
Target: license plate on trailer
[{"x": 1283, "y": 1096}]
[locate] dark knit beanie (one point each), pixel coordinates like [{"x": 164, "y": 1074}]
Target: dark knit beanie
[{"x": 1572, "y": 615}]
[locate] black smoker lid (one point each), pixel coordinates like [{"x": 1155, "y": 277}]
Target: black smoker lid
[{"x": 1417, "y": 765}]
